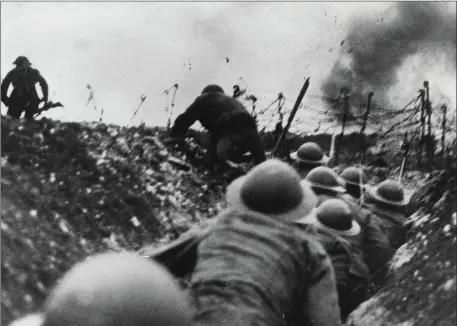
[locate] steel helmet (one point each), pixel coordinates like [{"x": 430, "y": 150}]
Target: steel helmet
[
  {"x": 213, "y": 88},
  {"x": 117, "y": 289}
]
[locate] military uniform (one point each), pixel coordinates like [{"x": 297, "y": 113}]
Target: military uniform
[
  {"x": 340, "y": 254},
  {"x": 393, "y": 225},
  {"x": 375, "y": 243},
  {"x": 372, "y": 244},
  {"x": 232, "y": 130},
  {"x": 24, "y": 96},
  {"x": 387, "y": 202},
  {"x": 247, "y": 277}
]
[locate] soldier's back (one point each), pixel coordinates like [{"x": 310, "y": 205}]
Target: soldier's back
[{"x": 253, "y": 270}]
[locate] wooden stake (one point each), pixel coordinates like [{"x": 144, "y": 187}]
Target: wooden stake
[
  {"x": 443, "y": 134},
  {"x": 422, "y": 140},
  {"x": 292, "y": 115},
  {"x": 365, "y": 118},
  {"x": 429, "y": 123},
  {"x": 345, "y": 109}
]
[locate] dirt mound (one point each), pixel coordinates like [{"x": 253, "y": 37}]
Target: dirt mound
[
  {"x": 70, "y": 190},
  {"x": 421, "y": 289}
]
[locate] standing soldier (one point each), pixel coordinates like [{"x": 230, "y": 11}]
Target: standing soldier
[
  {"x": 232, "y": 130},
  {"x": 307, "y": 157},
  {"x": 24, "y": 96}
]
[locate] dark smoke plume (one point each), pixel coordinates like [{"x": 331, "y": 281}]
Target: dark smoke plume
[{"x": 376, "y": 48}]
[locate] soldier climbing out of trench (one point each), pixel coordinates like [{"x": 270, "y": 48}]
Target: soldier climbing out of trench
[
  {"x": 24, "y": 96},
  {"x": 232, "y": 130}
]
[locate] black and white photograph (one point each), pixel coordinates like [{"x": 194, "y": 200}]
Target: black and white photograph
[{"x": 228, "y": 163}]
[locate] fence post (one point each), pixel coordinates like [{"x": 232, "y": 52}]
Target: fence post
[
  {"x": 443, "y": 134},
  {"x": 364, "y": 125},
  {"x": 345, "y": 110},
  {"x": 429, "y": 123},
  {"x": 422, "y": 138},
  {"x": 291, "y": 116}
]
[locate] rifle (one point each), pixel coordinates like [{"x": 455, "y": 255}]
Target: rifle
[
  {"x": 405, "y": 147},
  {"x": 46, "y": 107}
]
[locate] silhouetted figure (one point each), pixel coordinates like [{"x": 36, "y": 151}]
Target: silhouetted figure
[
  {"x": 232, "y": 130},
  {"x": 24, "y": 96}
]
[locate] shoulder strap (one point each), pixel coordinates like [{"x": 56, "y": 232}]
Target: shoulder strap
[{"x": 179, "y": 256}]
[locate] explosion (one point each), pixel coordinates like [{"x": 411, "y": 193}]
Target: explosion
[{"x": 376, "y": 48}]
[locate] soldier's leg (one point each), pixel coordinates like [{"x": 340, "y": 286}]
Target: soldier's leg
[
  {"x": 30, "y": 111},
  {"x": 15, "y": 109},
  {"x": 202, "y": 139},
  {"x": 256, "y": 147},
  {"x": 231, "y": 148}
]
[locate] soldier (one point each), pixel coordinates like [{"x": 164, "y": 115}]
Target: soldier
[
  {"x": 24, "y": 96},
  {"x": 355, "y": 181},
  {"x": 232, "y": 130},
  {"x": 307, "y": 157},
  {"x": 324, "y": 182},
  {"x": 115, "y": 289},
  {"x": 254, "y": 267},
  {"x": 388, "y": 201},
  {"x": 336, "y": 217}
]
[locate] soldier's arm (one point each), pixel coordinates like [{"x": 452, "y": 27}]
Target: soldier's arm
[
  {"x": 185, "y": 120},
  {"x": 4, "y": 87},
  {"x": 341, "y": 261},
  {"x": 321, "y": 304},
  {"x": 214, "y": 139},
  {"x": 179, "y": 256},
  {"x": 377, "y": 250},
  {"x": 44, "y": 86}
]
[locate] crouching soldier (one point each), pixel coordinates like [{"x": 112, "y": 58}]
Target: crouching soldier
[
  {"x": 232, "y": 130},
  {"x": 388, "y": 201},
  {"x": 355, "y": 181},
  {"x": 255, "y": 267},
  {"x": 114, "y": 289},
  {"x": 308, "y": 156},
  {"x": 375, "y": 244},
  {"x": 335, "y": 216},
  {"x": 24, "y": 96},
  {"x": 325, "y": 183}
]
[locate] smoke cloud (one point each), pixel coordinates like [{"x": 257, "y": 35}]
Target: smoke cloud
[{"x": 376, "y": 48}]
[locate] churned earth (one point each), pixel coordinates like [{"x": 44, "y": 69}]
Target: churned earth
[{"x": 70, "y": 190}]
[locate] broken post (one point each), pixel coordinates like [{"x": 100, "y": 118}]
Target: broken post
[
  {"x": 175, "y": 86},
  {"x": 443, "y": 134},
  {"x": 364, "y": 125},
  {"x": 292, "y": 115},
  {"x": 429, "y": 123},
  {"x": 142, "y": 98},
  {"x": 422, "y": 139},
  {"x": 443, "y": 137},
  {"x": 345, "y": 111}
]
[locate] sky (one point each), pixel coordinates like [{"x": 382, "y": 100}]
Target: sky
[{"x": 128, "y": 49}]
